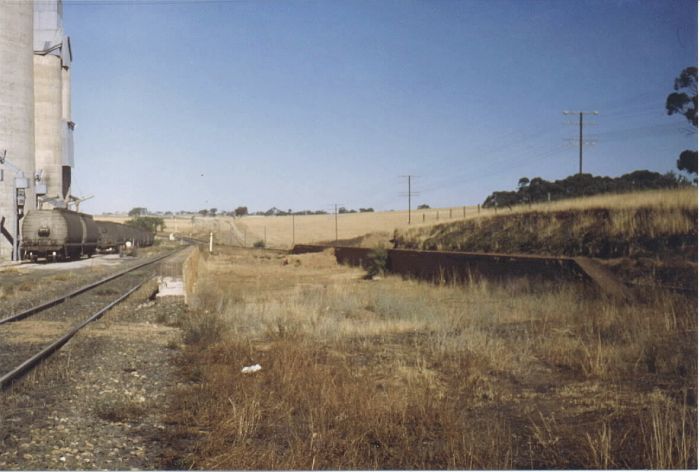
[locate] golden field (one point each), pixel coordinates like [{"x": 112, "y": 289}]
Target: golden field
[
  {"x": 277, "y": 231},
  {"x": 669, "y": 207}
]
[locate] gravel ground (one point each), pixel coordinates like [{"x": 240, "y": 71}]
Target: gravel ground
[
  {"x": 21, "y": 339},
  {"x": 99, "y": 402},
  {"x": 25, "y": 285}
]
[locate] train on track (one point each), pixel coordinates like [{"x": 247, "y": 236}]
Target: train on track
[{"x": 61, "y": 234}]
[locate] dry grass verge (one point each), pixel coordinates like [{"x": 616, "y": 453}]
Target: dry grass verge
[
  {"x": 649, "y": 224},
  {"x": 405, "y": 375}
]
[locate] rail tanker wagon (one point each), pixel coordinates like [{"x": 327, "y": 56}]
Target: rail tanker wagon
[
  {"x": 58, "y": 234},
  {"x": 141, "y": 237},
  {"x": 112, "y": 236}
]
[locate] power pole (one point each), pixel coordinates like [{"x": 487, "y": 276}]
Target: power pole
[
  {"x": 580, "y": 135},
  {"x": 409, "y": 194},
  {"x": 335, "y": 205}
]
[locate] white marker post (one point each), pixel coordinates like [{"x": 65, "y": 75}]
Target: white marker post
[{"x": 211, "y": 241}]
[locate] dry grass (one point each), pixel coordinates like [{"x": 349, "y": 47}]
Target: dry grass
[
  {"x": 660, "y": 199},
  {"x": 654, "y": 223},
  {"x": 276, "y": 231},
  {"x": 402, "y": 374}
]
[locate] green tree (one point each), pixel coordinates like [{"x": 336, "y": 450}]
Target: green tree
[
  {"x": 688, "y": 161},
  {"x": 212, "y": 211},
  {"x": 241, "y": 211},
  {"x": 684, "y": 101},
  {"x": 150, "y": 223},
  {"x": 138, "y": 211}
]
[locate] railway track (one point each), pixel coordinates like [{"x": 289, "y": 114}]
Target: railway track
[
  {"x": 62, "y": 298},
  {"x": 67, "y": 314}
]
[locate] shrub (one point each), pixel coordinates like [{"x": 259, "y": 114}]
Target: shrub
[
  {"x": 202, "y": 328},
  {"x": 376, "y": 262},
  {"x": 259, "y": 244}
]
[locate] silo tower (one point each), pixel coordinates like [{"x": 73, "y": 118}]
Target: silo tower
[
  {"x": 52, "y": 117},
  {"x": 16, "y": 121}
]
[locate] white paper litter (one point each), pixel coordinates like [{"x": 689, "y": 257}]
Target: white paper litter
[{"x": 251, "y": 368}]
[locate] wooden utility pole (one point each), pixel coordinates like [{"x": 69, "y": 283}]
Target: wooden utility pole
[
  {"x": 580, "y": 135},
  {"x": 409, "y": 194},
  {"x": 335, "y": 205}
]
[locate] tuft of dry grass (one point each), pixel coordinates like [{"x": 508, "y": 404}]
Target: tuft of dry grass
[{"x": 670, "y": 433}]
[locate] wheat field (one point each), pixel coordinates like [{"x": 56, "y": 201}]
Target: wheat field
[{"x": 283, "y": 231}]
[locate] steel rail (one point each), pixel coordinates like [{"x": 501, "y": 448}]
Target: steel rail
[
  {"x": 60, "y": 299},
  {"x": 7, "y": 379}
]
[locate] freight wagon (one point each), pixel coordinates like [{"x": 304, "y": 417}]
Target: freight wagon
[
  {"x": 58, "y": 234},
  {"x": 115, "y": 236}
]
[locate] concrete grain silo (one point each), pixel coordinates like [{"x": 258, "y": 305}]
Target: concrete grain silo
[
  {"x": 16, "y": 118},
  {"x": 52, "y": 119}
]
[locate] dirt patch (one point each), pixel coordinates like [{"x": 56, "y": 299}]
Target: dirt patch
[
  {"x": 30, "y": 331},
  {"x": 319, "y": 260},
  {"x": 369, "y": 240}
]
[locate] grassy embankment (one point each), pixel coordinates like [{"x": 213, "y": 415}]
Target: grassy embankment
[
  {"x": 402, "y": 374},
  {"x": 644, "y": 235}
]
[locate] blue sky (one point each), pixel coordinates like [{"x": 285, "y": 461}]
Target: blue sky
[{"x": 183, "y": 105}]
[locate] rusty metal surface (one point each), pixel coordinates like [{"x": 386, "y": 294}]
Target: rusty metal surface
[{"x": 460, "y": 266}]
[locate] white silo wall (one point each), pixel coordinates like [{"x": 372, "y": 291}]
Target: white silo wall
[
  {"x": 48, "y": 113},
  {"x": 16, "y": 108},
  {"x": 67, "y": 124},
  {"x": 52, "y": 62},
  {"x": 65, "y": 78}
]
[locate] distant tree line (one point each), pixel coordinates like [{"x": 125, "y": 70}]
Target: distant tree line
[
  {"x": 242, "y": 211},
  {"x": 149, "y": 223},
  {"x": 582, "y": 185}
]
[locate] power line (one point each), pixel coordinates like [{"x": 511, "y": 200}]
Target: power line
[
  {"x": 580, "y": 134},
  {"x": 461, "y": 180},
  {"x": 645, "y": 131},
  {"x": 410, "y": 193},
  {"x": 335, "y": 205}
]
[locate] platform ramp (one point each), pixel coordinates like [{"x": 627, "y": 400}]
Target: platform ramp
[{"x": 606, "y": 281}]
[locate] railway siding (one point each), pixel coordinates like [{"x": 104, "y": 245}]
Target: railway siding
[{"x": 98, "y": 402}]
